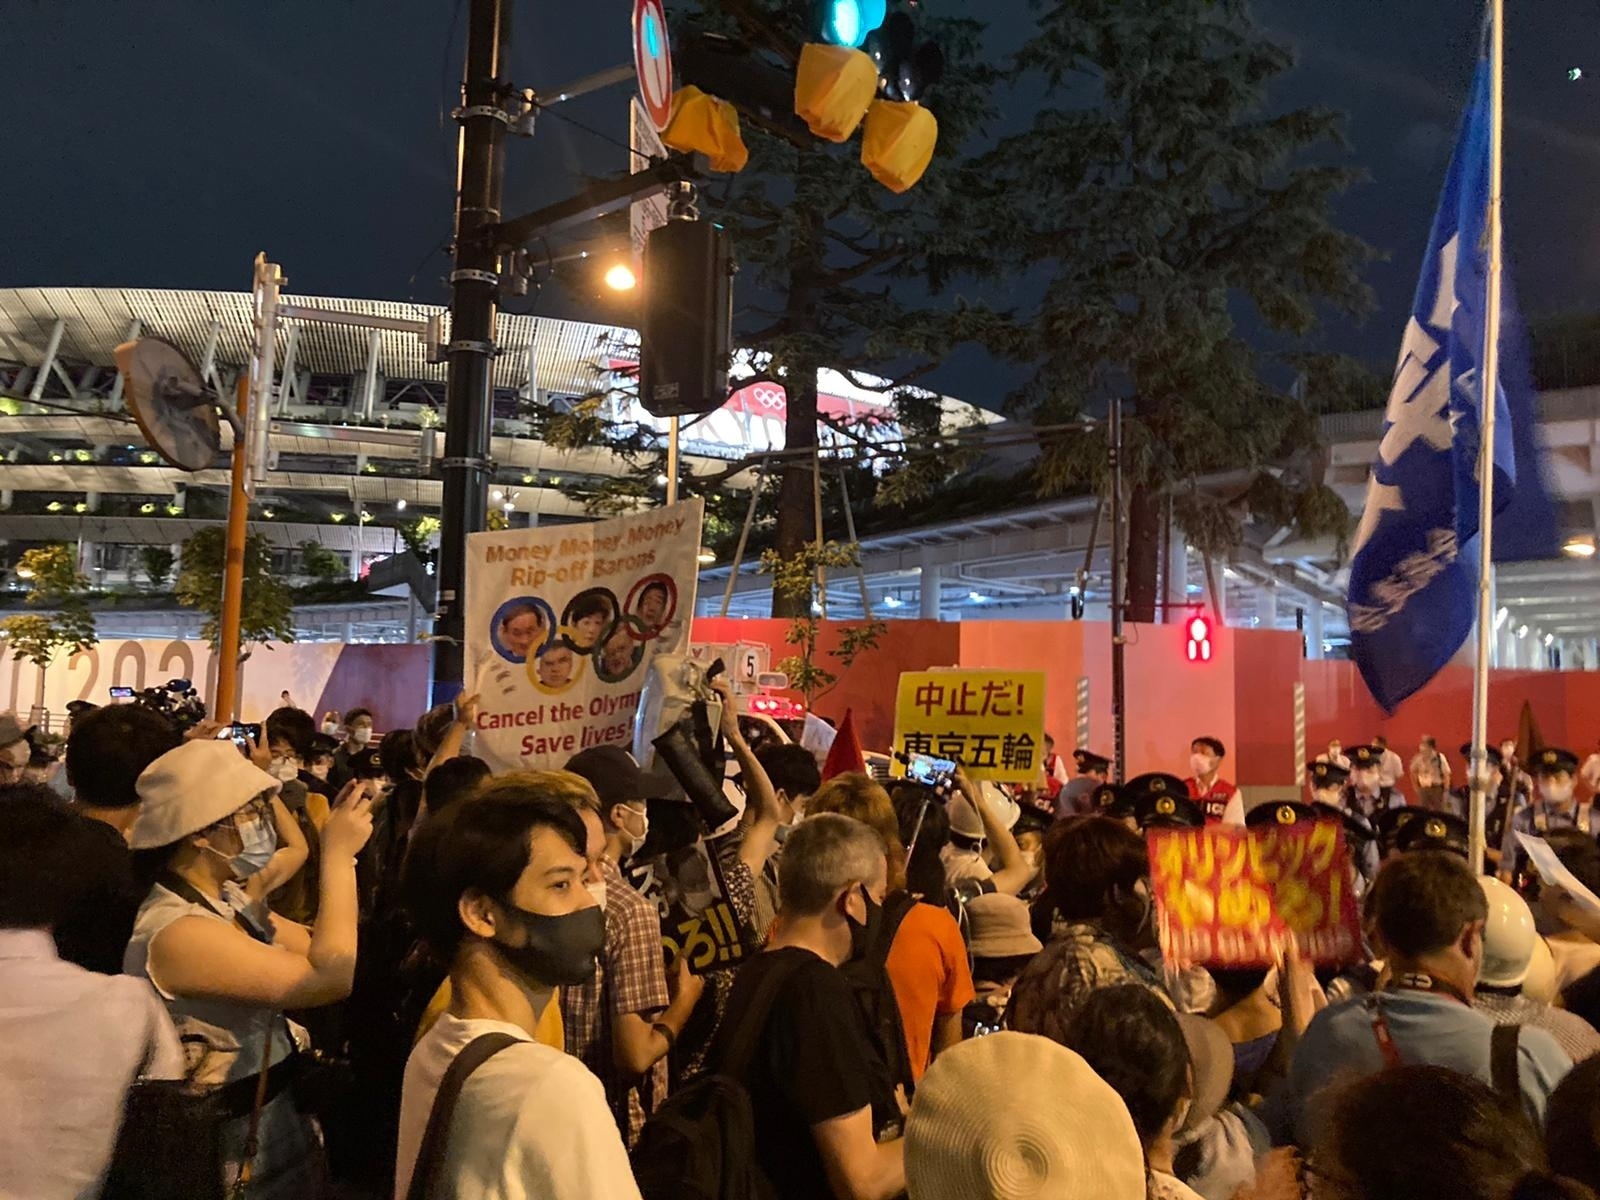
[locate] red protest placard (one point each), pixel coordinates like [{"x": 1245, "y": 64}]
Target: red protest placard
[{"x": 1231, "y": 897}]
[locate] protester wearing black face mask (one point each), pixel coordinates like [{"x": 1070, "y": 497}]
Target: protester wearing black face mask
[
  {"x": 496, "y": 888},
  {"x": 810, "y": 1076}
]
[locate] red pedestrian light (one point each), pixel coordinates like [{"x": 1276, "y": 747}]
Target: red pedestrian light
[{"x": 1199, "y": 631}]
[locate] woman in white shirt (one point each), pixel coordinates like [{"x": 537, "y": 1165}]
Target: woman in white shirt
[{"x": 226, "y": 967}]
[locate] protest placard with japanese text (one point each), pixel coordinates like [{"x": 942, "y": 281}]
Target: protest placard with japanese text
[
  {"x": 992, "y": 722},
  {"x": 1234, "y": 897}
]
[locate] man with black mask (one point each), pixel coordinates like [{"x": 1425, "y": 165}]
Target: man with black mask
[{"x": 496, "y": 889}]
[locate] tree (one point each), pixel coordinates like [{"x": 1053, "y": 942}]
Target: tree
[
  {"x": 322, "y": 564},
  {"x": 158, "y": 562},
  {"x": 266, "y": 614},
  {"x": 835, "y": 271},
  {"x": 794, "y": 579},
  {"x": 55, "y": 583},
  {"x": 418, "y": 535},
  {"x": 1163, "y": 207}
]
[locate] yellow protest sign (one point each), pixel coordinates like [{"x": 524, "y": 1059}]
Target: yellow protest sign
[{"x": 992, "y": 722}]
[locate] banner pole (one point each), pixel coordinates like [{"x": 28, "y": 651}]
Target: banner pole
[
  {"x": 225, "y": 703},
  {"x": 1488, "y": 387}
]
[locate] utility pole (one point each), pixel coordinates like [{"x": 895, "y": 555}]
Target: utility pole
[
  {"x": 1119, "y": 593},
  {"x": 474, "y": 302}
]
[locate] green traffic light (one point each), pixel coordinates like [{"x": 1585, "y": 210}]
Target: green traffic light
[{"x": 847, "y": 22}]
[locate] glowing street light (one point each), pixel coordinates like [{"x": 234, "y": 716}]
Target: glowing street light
[{"x": 620, "y": 278}]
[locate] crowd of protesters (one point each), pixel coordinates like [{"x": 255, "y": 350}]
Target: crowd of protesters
[{"x": 312, "y": 961}]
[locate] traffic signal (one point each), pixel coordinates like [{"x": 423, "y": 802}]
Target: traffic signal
[
  {"x": 1199, "y": 630},
  {"x": 847, "y": 22},
  {"x": 906, "y": 66},
  {"x": 686, "y": 319}
]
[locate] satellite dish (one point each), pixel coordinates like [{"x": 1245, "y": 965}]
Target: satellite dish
[{"x": 175, "y": 411}]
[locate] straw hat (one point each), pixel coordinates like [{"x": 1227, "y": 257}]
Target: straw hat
[
  {"x": 1013, "y": 1116},
  {"x": 999, "y": 926},
  {"x": 191, "y": 788}
]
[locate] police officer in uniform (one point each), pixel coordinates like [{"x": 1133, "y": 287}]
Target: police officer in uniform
[
  {"x": 1163, "y": 810},
  {"x": 1281, "y": 812},
  {"x": 1365, "y": 793},
  {"x": 1433, "y": 831},
  {"x": 1507, "y": 795},
  {"x": 1556, "y": 807}
]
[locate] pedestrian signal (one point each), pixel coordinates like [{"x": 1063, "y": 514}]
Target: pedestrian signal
[{"x": 1199, "y": 630}]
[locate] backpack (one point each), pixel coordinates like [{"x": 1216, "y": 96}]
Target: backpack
[
  {"x": 868, "y": 977},
  {"x": 700, "y": 1144}
]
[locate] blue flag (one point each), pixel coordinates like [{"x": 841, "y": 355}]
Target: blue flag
[{"x": 1414, "y": 566}]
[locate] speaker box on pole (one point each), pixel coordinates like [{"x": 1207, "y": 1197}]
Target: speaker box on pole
[{"x": 685, "y": 327}]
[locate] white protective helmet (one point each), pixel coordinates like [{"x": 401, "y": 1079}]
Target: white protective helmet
[
  {"x": 964, "y": 819},
  {"x": 1508, "y": 937}
]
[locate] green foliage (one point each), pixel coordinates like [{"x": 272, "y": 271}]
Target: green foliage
[
  {"x": 157, "y": 562},
  {"x": 795, "y": 579},
  {"x": 1161, "y": 201},
  {"x": 322, "y": 564},
  {"x": 266, "y": 614},
  {"x": 55, "y": 583},
  {"x": 1336, "y": 383},
  {"x": 418, "y": 536}
]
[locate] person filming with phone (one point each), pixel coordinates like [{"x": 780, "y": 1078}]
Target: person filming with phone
[{"x": 226, "y": 967}]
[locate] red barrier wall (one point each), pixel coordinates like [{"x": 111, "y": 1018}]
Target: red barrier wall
[{"x": 1244, "y": 696}]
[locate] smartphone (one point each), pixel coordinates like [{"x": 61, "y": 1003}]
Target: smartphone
[
  {"x": 928, "y": 770},
  {"x": 241, "y": 734},
  {"x": 122, "y": 693}
]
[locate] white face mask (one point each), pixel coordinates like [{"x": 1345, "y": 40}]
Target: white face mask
[
  {"x": 1033, "y": 858},
  {"x": 331, "y": 728},
  {"x": 361, "y": 736},
  {"x": 284, "y": 769},
  {"x": 1202, "y": 765},
  {"x": 636, "y": 840},
  {"x": 598, "y": 891},
  {"x": 1555, "y": 792},
  {"x": 1366, "y": 780}
]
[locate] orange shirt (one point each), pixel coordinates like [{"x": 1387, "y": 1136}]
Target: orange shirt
[{"x": 928, "y": 968}]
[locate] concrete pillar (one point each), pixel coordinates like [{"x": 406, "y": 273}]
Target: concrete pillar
[
  {"x": 928, "y": 587},
  {"x": 1177, "y": 577},
  {"x": 1591, "y": 658},
  {"x": 1267, "y": 606},
  {"x": 1314, "y": 629}
]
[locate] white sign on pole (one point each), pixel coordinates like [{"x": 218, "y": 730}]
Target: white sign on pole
[{"x": 644, "y": 144}]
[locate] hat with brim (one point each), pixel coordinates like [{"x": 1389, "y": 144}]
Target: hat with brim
[
  {"x": 999, "y": 926},
  {"x": 1211, "y": 1059},
  {"x": 1016, "y": 1115},
  {"x": 617, "y": 777},
  {"x": 192, "y": 788}
]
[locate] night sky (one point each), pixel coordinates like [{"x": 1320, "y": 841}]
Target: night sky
[{"x": 162, "y": 144}]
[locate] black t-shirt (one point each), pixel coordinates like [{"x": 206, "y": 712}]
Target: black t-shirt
[
  {"x": 95, "y": 933},
  {"x": 808, "y": 1067}
]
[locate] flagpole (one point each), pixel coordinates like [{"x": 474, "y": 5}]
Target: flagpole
[{"x": 1488, "y": 379}]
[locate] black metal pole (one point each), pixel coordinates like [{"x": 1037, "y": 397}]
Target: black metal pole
[
  {"x": 1118, "y": 592},
  {"x": 474, "y": 300}
]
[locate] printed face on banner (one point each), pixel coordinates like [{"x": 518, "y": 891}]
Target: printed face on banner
[
  {"x": 992, "y": 722},
  {"x": 557, "y": 659},
  {"x": 1235, "y": 898},
  {"x": 697, "y": 919}
]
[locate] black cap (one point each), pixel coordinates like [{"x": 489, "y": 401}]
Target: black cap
[
  {"x": 1034, "y": 815},
  {"x": 617, "y": 777},
  {"x": 1433, "y": 831},
  {"x": 1364, "y": 756},
  {"x": 1279, "y": 812},
  {"x": 1492, "y": 753},
  {"x": 1165, "y": 810},
  {"x": 1111, "y": 801},
  {"x": 1551, "y": 761},
  {"x": 1357, "y": 828},
  {"x": 1328, "y": 775},
  {"x": 322, "y": 744},
  {"x": 1388, "y": 823},
  {"x": 1155, "y": 783},
  {"x": 368, "y": 764},
  {"x": 77, "y": 708},
  {"x": 1088, "y": 760}
]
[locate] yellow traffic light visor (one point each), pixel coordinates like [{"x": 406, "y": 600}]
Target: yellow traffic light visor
[
  {"x": 704, "y": 124},
  {"x": 897, "y": 143},
  {"x": 832, "y": 89}
]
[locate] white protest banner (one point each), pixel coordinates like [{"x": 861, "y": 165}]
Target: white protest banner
[
  {"x": 1555, "y": 873},
  {"x": 562, "y": 623}
]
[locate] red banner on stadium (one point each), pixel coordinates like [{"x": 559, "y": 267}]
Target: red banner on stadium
[{"x": 1233, "y": 898}]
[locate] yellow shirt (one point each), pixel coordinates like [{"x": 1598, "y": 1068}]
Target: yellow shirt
[{"x": 549, "y": 1031}]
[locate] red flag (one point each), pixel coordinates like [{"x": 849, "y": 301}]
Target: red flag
[{"x": 845, "y": 753}]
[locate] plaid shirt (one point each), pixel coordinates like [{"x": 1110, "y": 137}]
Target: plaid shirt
[
  {"x": 631, "y": 978},
  {"x": 1079, "y": 958}
]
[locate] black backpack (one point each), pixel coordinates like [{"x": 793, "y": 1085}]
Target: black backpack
[
  {"x": 868, "y": 977},
  {"x": 701, "y": 1143}
]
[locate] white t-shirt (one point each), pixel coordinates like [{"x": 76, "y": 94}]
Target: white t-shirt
[
  {"x": 960, "y": 864},
  {"x": 531, "y": 1122}
]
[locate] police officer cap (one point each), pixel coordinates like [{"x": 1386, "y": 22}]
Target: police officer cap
[
  {"x": 1088, "y": 760},
  {"x": 1433, "y": 831},
  {"x": 1357, "y": 829},
  {"x": 1492, "y": 753},
  {"x": 1551, "y": 761},
  {"x": 1328, "y": 775},
  {"x": 1364, "y": 756},
  {"x": 1155, "y": 783},
  {"x": 1032, "y": 816},
  {"x": 1390, "y": 821},
  {"x": 1164, "y": 810},
  {"x": 368, "y": 764},
  {"x": 1111, "y": 801},
  {"x": 1279, "y": 812}
]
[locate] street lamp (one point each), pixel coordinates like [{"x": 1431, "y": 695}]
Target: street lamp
[{"x": 620, "y": 278}]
